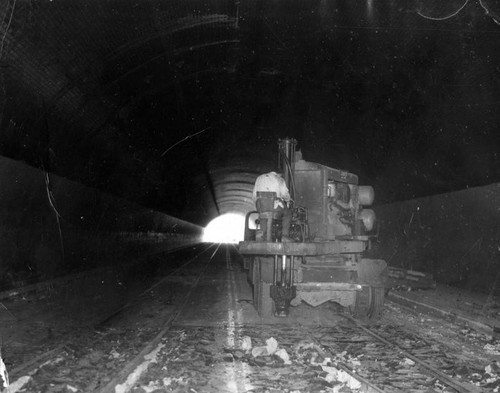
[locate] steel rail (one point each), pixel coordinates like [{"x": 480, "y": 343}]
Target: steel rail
[
  {"x": 459, "y": 387},
  {"x": 60, "y": 281},
  {"x": 367, "y": 386},
  {"x": 32, "y": 364},
  {"x": 159, "y": 282},
  {"x": 22, "y": 368},
  {"x": 49, "y": 283},
  {"x": 152, "y": 344}
]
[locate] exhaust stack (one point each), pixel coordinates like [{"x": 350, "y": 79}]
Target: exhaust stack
[{"x": 286, "y": 162}]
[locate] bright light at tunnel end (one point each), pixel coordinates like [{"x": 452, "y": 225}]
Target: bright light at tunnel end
[{"x": 228, "y": 228}]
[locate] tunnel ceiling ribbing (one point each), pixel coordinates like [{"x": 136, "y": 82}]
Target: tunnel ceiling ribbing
[
  {"x": 85, "y": 61},
  {"x": 178, "y": 105},
  {"x": 92, "y": 73}
]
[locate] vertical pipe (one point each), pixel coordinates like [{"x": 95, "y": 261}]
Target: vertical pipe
[
  {"x": 283, "y": 271},
  {"x": 275, "y": 273},
  {"x": 287, "y": 162}
]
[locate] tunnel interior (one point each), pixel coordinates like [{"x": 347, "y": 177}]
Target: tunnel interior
[
  {"x": 130, "y": 128},
  {"x": 177, "y": 107}
]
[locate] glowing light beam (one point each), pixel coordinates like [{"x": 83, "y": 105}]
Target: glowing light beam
[{"x": 228, "y": 228}]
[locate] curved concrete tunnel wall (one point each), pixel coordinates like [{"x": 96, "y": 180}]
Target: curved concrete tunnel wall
[
  {"x": 96, "y": 229},
  {"x": 77, "y": 68},
  {"x": 233, "y": 191},
  {"x": 455, "y": 236},
  {"x": 225, "y": 190}
]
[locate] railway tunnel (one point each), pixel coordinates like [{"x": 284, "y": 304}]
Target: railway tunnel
[{"x": 129, "y": 127}]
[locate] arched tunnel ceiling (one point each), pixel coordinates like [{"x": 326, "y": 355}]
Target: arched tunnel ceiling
[{"x": 178, "y": 105}]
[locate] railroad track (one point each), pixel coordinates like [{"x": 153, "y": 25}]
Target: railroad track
[
  {"x": 126, "y": 378},
  {"x": 391, "y": 359},
  {"x": 170, "y": 353},
  {"x": 376, "y": 358},
  {"x": 80, "y": 350},
  {"x": 208, "y": 359}
]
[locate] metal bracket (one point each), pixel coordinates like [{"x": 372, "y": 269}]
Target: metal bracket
[{"x": 282, "y": 297}]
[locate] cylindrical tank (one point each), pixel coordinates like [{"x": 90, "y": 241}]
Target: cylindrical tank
[{"x": 366, "y": 195}]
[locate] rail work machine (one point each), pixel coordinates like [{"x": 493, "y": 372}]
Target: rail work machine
[{"x": 322, "y": 258}]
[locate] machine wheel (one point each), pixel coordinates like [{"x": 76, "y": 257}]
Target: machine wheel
[
  {"x": 369, "y": 303},
  {"x": 262, "y": 299}
]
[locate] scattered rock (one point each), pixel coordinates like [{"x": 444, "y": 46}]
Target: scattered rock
[
  {"x": 272, "y": 345},
  {"x": 114, "y": 354},
  {"x": 270, "y": 348},
  {"x": 246, "y": 343},
  {"x": 259, "y": 351},
  {"x": 283, "y": 355},
  {"x": 407, "y": 362},
  {"x": 341, "y": 376}
]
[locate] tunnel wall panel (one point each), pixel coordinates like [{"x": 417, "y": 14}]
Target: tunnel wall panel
[
  {"x": 456, "y": 236},
  {"x": 94, "y": 228}
]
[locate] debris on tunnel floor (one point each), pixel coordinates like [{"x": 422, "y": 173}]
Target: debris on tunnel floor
[
  {"x": 128, "y": 126},
  {"x": 198, "y": 359},
  {"x": 475, "y": 310},
  {"x": 201, "y": 359},
  {"x": 409, "y": 279},
  {"x": 230, "y": 349},
  {"x": 87, "y": 362}
]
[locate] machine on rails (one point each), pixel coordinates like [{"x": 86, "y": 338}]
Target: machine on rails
[{"x": 322, "y": 258}]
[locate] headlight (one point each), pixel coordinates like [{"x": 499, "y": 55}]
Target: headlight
[
  {"x": 366, "y": 195},
  {"x": 368, "y": 218}
]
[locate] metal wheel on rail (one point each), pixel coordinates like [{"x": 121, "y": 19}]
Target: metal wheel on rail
[
  {"x": 263, "y": 302},
  {"x": 262, "y": 272},
  {"x": 369, "y": 303}
]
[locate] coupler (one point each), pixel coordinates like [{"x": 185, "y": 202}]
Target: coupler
[{"x": 282, "y": 296}]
